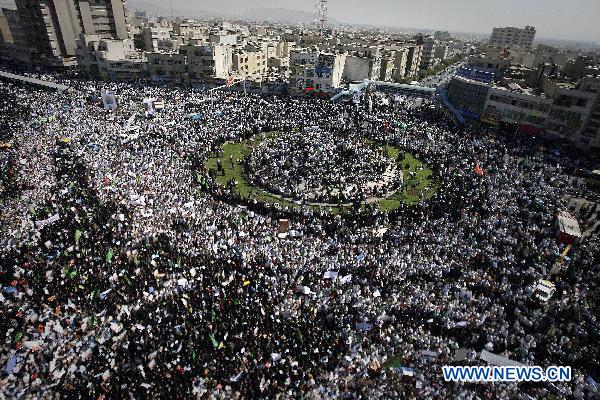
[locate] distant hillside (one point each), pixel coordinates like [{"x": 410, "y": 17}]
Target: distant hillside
[
  {"x": 164, "y": 9},
  {"x": 156, "y": 8},
  {"x": 278, "y": 15}
]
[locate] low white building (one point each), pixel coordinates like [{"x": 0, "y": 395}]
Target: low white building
[
  {"x": 155, "y": 38},
  {"x": 246, "y": 63},
  {"x": 223, "y": 39},
  {"x": 357, "y": 68},
  {"x": 110, "y": 59},
  {"x": 206, "y": 62},
  {"x": 167, "y": 67}
]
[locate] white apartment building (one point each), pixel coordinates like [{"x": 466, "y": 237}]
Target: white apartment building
[
  {"x": 303, "y": 57},
  {"x": 206, "y": 62},
  {"x": 190, "y": 29},
  {"x": 386, "y": 72},
  {"x": 511, "y": 36},
  {"x": 441, "y": 52},
  {"x": 428, "y": 54},
  {"x": 223, "y": 39},
  {"x": 315, "y": 71},
  {"x": 167, "y": 67},
  {"x": 155, "y": 38},
  {"x": 357, "y": 68},
  {"x": 110, "y": 59},
  {"x": 400, "y": 62},
  {"x": 248, "y": 63},
  {"x": 575, "y": 113},
  {"x": 362, "y": 62},
  {"x": 413, "y": 60},
  {"x": 283, "y": 49}
]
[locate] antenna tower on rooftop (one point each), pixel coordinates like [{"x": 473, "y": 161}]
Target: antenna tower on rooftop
[{"x": 321, "y": 14}]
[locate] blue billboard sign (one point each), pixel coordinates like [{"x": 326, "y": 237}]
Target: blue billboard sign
[
  {"x": 323, "y": 70},
  {"x": 476, "y": 74}
]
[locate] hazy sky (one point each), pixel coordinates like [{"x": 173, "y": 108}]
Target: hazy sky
[{"x": 556, "y": 19}]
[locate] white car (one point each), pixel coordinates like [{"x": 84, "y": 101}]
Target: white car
[{"x": 544, "y": 290}]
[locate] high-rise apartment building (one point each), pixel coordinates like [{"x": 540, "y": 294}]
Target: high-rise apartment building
[
  {"x": 510, "y": 36},
  {"x": 400, "y": 60},
  {"x": 14, "y": 39},
  {"x": 428, "y": 55},
  {"x": 52, "y": 27},
  {"x": 5, "y": 34},
  {"x": 413, "y": 60}
]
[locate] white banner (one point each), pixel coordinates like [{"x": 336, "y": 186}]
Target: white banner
[
  {"x": 47, "y": 221},
  {"x": 109, "y": 100},
  {"x": 149, "y": 104}
]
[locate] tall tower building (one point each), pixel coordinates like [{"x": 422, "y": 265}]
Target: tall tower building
[
  {"x": 413, "y": 60},
  {"x": 53, "y": 26}
]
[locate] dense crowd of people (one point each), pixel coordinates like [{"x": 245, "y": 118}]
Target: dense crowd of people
[
  {"x": 330, "y": 167},
  {"x": 123, "y": 277}
]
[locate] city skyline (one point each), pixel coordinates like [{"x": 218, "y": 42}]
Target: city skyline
[{"x": 553, "y": 19}]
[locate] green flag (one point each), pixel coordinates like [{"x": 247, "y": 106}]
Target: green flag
[
  {"x": 78, "y": 234},
  {"x": 393, "y": 362},
  {"x": 213, "y": 341},
  {"x": 109, "y": 255}
]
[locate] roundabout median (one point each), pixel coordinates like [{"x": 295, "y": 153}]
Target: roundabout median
[{"x": 233, "y": 167}]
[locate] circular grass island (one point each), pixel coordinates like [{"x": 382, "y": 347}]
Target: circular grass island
[{"x": 321, "y": 171}]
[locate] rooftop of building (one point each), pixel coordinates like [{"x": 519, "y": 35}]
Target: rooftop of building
[
  {"x": 520, "y": 88},
  {"x": 565, "y": 85},
  {"x": 513, "y": 87}
]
